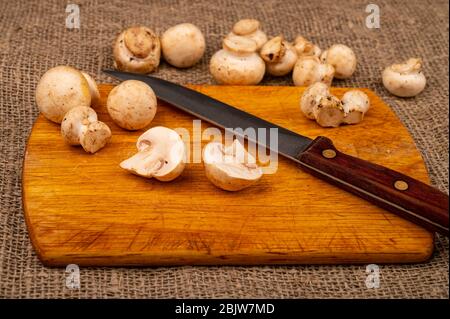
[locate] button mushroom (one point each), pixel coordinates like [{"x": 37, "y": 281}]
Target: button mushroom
[
  {"x": 305, "y": 47},
  {"x": 355, "y": 103},
  {"x": 132, "y": 105},
  {"x": 329, "y": 111},
  {"x": 342, "y": 58},
  {"x": 80, "y": 126},
  {"x": 309, "y": 70},
  {"x": 250, "y": 28},
  {"x": 93, "y": 89},
  {"x": 280, "y": 56},
  {"x": 161, "y": 154},
  {"x": 137, "y": 49},
  {"x": 237, "y": 63},
  {"x": 183, "y": 45},
  {"x": 405, "y": 79},
  {"x": 311, "y": 97},
  {"x": 60, "y": 89},
  {"x": 231, "y": 167}
]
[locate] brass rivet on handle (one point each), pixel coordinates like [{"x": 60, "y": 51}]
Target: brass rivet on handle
[
  {"x": 329, "y": 153},
  {"x": 401, "y": 185}
]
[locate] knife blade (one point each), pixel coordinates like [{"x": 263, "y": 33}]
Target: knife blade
[{"x": 391, "y": 190}]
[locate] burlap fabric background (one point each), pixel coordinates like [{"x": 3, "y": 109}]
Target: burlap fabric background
[{"x": 33, "y": 38}]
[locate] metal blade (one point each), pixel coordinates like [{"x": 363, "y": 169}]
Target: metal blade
[{"x": 290, "y": 144}]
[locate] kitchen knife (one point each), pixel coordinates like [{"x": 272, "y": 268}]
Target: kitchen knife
[{"x": 393, "y": 191}]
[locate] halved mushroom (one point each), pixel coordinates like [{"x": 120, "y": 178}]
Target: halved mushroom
[
  {"x": 161, "y": 154},
  {"x": 309, "y": 70},
  {"x": 231, "y": 167},
  {"x": 355, "y": 103},
  {"x": 250, "y": 28},
  {"x": 280, "y": 56},
  {"x": 137, "y": 49}
]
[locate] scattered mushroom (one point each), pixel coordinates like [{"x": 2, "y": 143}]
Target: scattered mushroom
[
  {"x": 309, "y": 70},
  {"x": 137, "y": 49},
  {"x": 405, "y": 79},
  {"x": 237, "y": 63},
  {"x": 161, "y": 154},
  {"x": 305, "y": 47},
  {"x": 183, "y": 45},
  {"x": 356, "y": 103},
  {"x": 60, "y": 89},
  {"x": 342, "y": 58},
  {"x": 231, "y": 167},
  {"x": 250, "y": 28},
  {"x": 132, "y": 104},
  {"x": 280, "y": 56},
  {"x": 81, "y": 127},
  {"x": 93, "y": 89}
]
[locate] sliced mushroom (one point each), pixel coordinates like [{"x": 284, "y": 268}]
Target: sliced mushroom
[
  {"x": 250, "y": 28},
  {"x": 132, "y": 104},
  {"x": 280, "y": 56},
  {"x": 183, "y": 45},
  {"x": 355, "y": 103},
  {"x": 137, "y": 49},
  {"x": 237, "y": 63},
  {"x": 93, "y": 89},
  {"x": 311, "y": 97},
  {"x": 329, "y": 111},
  {"x": 80, "y": 126},
  {"x": 342, "y": 58},
  {"x": 309, "y": 70},
  {"x": 231, "y": 167},
  {"x": 405, "y": 79},
  {"x": 161, "y": 154},
  {"x": 306, "y": 48},
  {"x": 59, "y": 90}
]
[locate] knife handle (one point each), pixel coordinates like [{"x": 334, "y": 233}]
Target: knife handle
[{"x": 391, "y": 190}]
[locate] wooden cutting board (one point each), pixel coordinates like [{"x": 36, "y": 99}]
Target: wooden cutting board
[{"x": 85, "y": 209}]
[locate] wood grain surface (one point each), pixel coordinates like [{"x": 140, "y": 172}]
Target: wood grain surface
[{"x": 85, "y": 209}]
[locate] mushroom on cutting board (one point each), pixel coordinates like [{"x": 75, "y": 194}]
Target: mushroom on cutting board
[
  {"x": 329, "y": 111},
  {"x": 279, "y": 55},
  {"x": 251, "y": 29},
  {"x": 80, "y": 126},
  {"x": 161, "y": 154},
  {"x": 356, "y": 103},
  {"x": 311, "y": 97},
  {"x": 342, "y": 58},
  {"x": 305, "y": 47},
  {"x": 60, "y": 89},
  {"x": 405, "y": 79},
  {"x": 231, "y": 167},
  {"x": 137, "y": 49},
  {"x": 237, "y": 63},
  {"x": 309, "y": 70},
  {"x": 132, "y": 105},
  {"x": 183, "y": 45},
  {"x": 93, "y": 89}
]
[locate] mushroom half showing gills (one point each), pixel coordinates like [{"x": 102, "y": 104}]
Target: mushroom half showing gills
[
  {"x": 161, "y": 154},
  {"x": 231, "y": 167}
]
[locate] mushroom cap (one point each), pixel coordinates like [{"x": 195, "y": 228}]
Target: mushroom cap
[
  {"x": 285, "y": 64},
  {"x": 73, "y": 122},
  {"x": 93, "y": 89},
  {"x": 132, "y": 104},
  {"x": 161, "y": 154},
  {"x": 183, "y": 45},
  {"x": 237, "y": 63},
  {"x": 309, "y": 70},
  {"x": 405, "y": 79},
  {"x": 95, "y": 136},
  {"x": 329, "y": 111},
  {"x": 250, "y": 28},
  {"x": 230, "y": 167},
  {"x": 305, "y": 47},
  {"x": 342, "y": 58},
  {"x": 137, "y": 49},
  {"x": 311, "y": 97},
  {"x": 60, "y": 89}
]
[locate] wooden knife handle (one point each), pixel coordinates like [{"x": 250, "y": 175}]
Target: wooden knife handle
[{"x": 393, "y": 191}]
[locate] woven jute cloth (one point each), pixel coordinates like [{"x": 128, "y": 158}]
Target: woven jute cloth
[{"x": 34, "y": 38}]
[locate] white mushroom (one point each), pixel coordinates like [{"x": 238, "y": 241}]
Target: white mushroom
[
  {"x": 280, "y": 56},
  {"x": 305, "y": 47},
  {"x": 329, "y": 111},
  {"x": 137, "y": 49},
  {"x": 132, "y": 104},
  {"x": 161, "y": 154},
  {"x": 405, "y": 79},
  {"x": 309, "y": 70},
  {"x": 250, "y": 28},
  {"x": 237, "y": 63},
  {"x": 60, "y": 89},
  {"x": 80, "y": 126},
  {"x": 183, "y": 45},
  {"x": 355, "y": 103},
  {"x": 342, "y": 58},
  {"x": 93, "y": 89},
  {"x": 231, "y": 167},
  {"x": 311, "y": 97}
]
